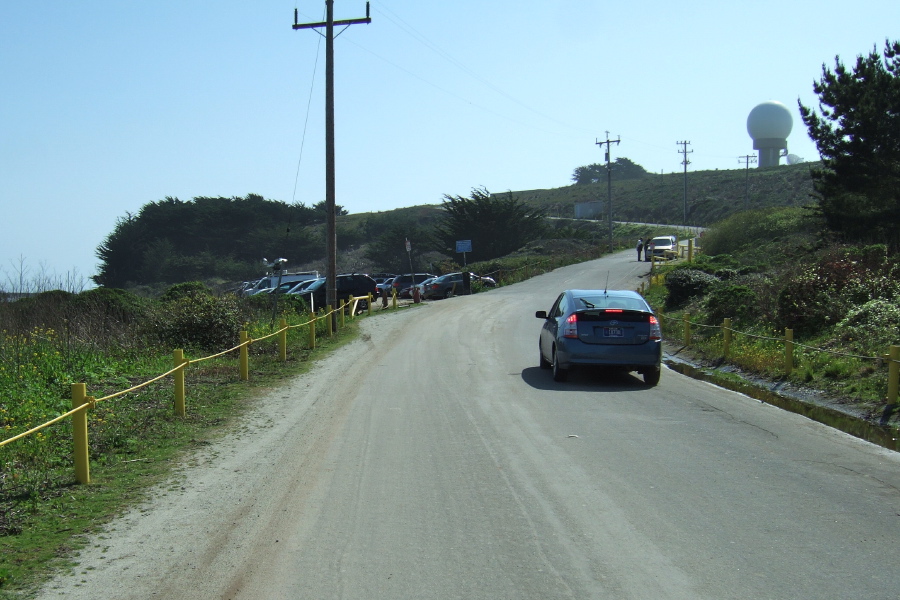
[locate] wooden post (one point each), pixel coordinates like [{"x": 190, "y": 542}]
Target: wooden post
[
  {"x": 312, "y": 330},
  {"x": 80, "y": 434},
  {"x": 726, "y": 333},
  {"x": 245, "y": 356},
  {"x": 691, "y": 250},
  {"x": 178, "y": 360},
  {"x": 893, "y": 374},
  {"x": 687, "y": 328},
  {"x": 282, "y": 340},
  {"x": 788, "y": 351},
  {"x": 330, "y": 322}
]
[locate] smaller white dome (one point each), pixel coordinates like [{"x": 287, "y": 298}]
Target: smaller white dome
[{"x": 770, "y": 120}]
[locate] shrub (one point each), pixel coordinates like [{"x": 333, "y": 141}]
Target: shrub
[
  {"x": 685, "y": 283},
  {"x": 872, "y": 326},
  {"x": 737, "y": 302},
  {"x": 188, "y": 289},
  {"x": 202, "y": 322}
]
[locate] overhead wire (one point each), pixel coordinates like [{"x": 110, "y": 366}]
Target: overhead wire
[{"x": 312, "y": 85}]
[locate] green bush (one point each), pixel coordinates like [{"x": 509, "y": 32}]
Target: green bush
[
  {"x": 737, "y": 302},
  {"x": 686, "y": 283},
  {"x": 873, "y": 326},
  {"x": 202, "y": 322},
  {"x": 188, "y": 289}
]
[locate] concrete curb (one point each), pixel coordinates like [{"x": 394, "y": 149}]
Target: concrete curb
[{"x": 773, "y": 392}]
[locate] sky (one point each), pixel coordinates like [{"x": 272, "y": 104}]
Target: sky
[{"x": 109, "y": 105}]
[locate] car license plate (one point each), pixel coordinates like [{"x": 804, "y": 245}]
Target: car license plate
[{"x": 613, "y": 332}]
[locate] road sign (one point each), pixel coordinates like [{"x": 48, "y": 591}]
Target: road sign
[{"x": 463, "y": 246}]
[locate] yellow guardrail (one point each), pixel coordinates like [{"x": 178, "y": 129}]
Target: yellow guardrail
[
  {"x": 82, "y": 402},
  {"x": 892, "y": 357}
]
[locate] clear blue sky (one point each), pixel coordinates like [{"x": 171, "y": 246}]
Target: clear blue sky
[{"x": 109, "y": 105}]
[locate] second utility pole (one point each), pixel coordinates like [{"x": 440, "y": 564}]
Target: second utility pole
[
  {"x": 609, "y": 184},
  {"x": 330, "y": 225},
  {"x": 685, "y": 162}
]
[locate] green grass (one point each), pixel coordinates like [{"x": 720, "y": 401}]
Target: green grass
[{"x": 135, "y": 442}]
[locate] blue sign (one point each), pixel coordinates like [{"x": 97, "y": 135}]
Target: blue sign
[{"x": 463, "y": 246}]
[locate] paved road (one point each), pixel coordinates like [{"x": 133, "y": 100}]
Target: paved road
[{"x": 435, "y": 459}]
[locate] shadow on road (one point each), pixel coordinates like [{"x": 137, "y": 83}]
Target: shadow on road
[{"x": 584, "y": 380}]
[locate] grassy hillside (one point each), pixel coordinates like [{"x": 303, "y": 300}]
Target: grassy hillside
[{"x": 711, "y": 195}]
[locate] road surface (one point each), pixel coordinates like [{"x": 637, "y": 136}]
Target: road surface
[{"x": 433, "y": 459}]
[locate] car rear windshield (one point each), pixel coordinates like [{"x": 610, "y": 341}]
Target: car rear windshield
[{"x": 604, "y": 302}]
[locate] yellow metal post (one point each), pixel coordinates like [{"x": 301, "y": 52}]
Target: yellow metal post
[
  {"x": 282, "y": 340},
  {"x": 726, "y": 334},
  {"x": 343, "y": 312},
  {"x": 393, "y": 298},
  {"x": 370, "y": 303},
  {"x": 80, "y": 434},
  {"x": 312, "y": 330},
  {"x": 329, "y": 321},
  {"x": 687, "y": 328},
  {"x": 352, "y": 307},
  {"x": 893, "y": 374},
  {"x": 691, "y": 250},
  {"x": 245, "y": 356},
  {"x": 788, "y": 351},
  {"x": 178, "y": 361}
]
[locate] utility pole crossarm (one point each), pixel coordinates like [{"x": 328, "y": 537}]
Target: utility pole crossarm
[{"x": 365, "y": 21}]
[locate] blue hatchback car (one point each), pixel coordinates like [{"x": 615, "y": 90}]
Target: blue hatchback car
[{"x": 613, "y": 329}]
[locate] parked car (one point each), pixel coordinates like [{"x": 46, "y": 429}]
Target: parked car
[
  {"x": 348, "y": 284},
  {"x": 384, "y": 285},
  {"x": 270, "y": 282},
  {"x": 422, "y": 285},
  {"x": 613, "y": 329},
  {"x": 303, "y": 286},
  {"x": 662, "y": 247},
  {"x": 454, "y": 284},
  {"x": 402, "y": 284}
]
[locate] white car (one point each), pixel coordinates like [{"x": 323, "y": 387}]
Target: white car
[{"x": 662, "y": 247}]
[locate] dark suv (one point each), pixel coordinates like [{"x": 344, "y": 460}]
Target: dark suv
[{"x": 348, "y": 284}]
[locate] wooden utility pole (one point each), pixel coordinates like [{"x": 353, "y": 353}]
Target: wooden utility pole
[
  {"x": 685, "y": 162},
  {"x": 330, "y": 225},
  {"x": 608, "y": 142},
  {"x": 747, "y": 158}
]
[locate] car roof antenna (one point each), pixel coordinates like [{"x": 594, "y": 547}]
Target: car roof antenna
[{"x": 606, "y": 285}]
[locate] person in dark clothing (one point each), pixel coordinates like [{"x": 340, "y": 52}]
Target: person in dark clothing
[{"x": 640, "y": 247}]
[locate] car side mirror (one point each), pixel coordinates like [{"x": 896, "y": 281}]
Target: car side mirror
[{"x": 541, "y": 314}]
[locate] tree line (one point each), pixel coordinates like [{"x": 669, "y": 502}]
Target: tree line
[{"x": 173, "y": 241}]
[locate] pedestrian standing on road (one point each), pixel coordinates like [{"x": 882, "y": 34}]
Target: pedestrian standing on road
[{"x": 640, "y": 247}]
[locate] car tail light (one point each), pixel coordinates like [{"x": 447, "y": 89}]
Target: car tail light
[
  {"x": 655, "y": 331},
  {"x": 570, "y": 329}
]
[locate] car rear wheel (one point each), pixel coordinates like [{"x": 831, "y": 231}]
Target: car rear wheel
[
  {"x": 559, "y": 374},
  {"x": 545, "y": 364},
  {"x": 448, "y": 293},
  {"x": 651, "y": 377}
]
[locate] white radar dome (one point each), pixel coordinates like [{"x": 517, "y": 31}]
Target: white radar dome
[
  {"x": 770, "y": 120},
  {"x": 769, "y": 124}
]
